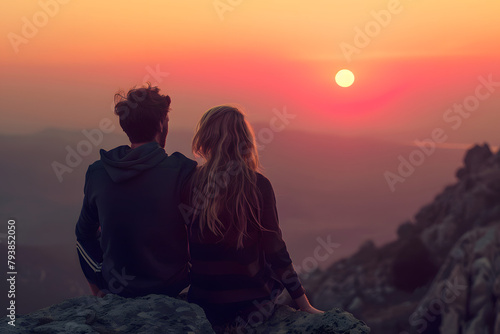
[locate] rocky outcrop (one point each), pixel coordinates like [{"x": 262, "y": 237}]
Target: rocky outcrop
[
  {"x": 162, "y": 314},
  {"x": 465, "y": 296},
  {"x": 288, "y": 320},
  {"x": 452, "y": 240},
  {"x": 114, "y": 314}
]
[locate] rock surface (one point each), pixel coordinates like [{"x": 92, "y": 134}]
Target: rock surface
[
  {"x": 163, "y": 314},
  {"x": 467, "y": 286},
  {"x": 452, "y": 242}
]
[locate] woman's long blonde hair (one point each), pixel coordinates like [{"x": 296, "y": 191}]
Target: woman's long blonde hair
[{"x": 227, "y": 180}]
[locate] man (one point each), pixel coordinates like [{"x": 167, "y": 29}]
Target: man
[{"x": 131, "y": 236}]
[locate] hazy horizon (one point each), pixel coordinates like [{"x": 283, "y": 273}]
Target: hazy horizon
[{"x": 317, "y": 195}]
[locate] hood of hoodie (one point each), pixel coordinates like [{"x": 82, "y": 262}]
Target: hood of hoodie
[{"x": 123, "y": 162}]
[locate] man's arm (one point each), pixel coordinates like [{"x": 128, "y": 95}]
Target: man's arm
[{"x": 87, "y": 238}]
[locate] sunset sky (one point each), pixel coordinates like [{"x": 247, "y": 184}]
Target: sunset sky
[
  {"x": 415, "y": 62},
  {"x": 421, "y": 67}
]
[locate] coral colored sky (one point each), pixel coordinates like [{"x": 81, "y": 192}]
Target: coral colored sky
[{"x": 412, "y": 61}]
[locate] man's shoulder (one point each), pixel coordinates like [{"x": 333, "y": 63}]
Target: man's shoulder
[
  {"x": 96, "y": 165},
  {"x": 180, "y": 156},
  {"x": 178, "y": 159},
  {"x": 95, "y": 168}
]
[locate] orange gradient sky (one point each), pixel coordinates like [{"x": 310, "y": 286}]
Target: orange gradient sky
[{"x": 425, "y": 57}]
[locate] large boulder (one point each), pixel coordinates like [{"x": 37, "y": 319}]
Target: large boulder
[{"x": 163, "y": 314}]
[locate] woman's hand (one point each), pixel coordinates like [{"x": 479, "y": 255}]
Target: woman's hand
[
  {"x": 304, "y": 305},
  {"x": 312, "y": 310}
]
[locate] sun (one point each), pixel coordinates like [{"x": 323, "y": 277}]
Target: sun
[{"x": 344, "y": 78}]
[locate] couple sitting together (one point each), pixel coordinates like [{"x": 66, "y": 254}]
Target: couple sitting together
[{"x": 158, "y": 223}]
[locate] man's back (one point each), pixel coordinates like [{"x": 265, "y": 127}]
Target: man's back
[{"x": 133, "y": 196}]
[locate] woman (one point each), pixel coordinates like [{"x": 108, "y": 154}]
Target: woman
[{"x": 240, "y": 264}]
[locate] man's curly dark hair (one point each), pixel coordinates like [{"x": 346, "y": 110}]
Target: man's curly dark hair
[{"x": 141, "y": 112}]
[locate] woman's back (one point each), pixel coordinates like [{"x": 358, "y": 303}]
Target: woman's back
[
  {"x": 240, "y": 263},
  {"x": 224, "y": 277}
]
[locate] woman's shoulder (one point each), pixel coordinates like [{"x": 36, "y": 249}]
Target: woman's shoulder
[
  {"x": 261, "y": 177},
  {"x": 263, "y": 182}
]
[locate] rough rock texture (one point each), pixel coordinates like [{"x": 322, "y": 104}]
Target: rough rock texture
[
  {"x": 114, "y": 314},
  {"x": 287, "y": 320},
  {"x": 465, "y": 296},
  {"x": 454, "y": 237},
  {"x": 162, "y": 314}
]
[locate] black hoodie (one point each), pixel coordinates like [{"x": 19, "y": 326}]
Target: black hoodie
[{"x": 131, "y": 235}]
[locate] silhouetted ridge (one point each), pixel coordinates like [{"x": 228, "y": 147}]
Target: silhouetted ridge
[{"x": 450, "y": 249}]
